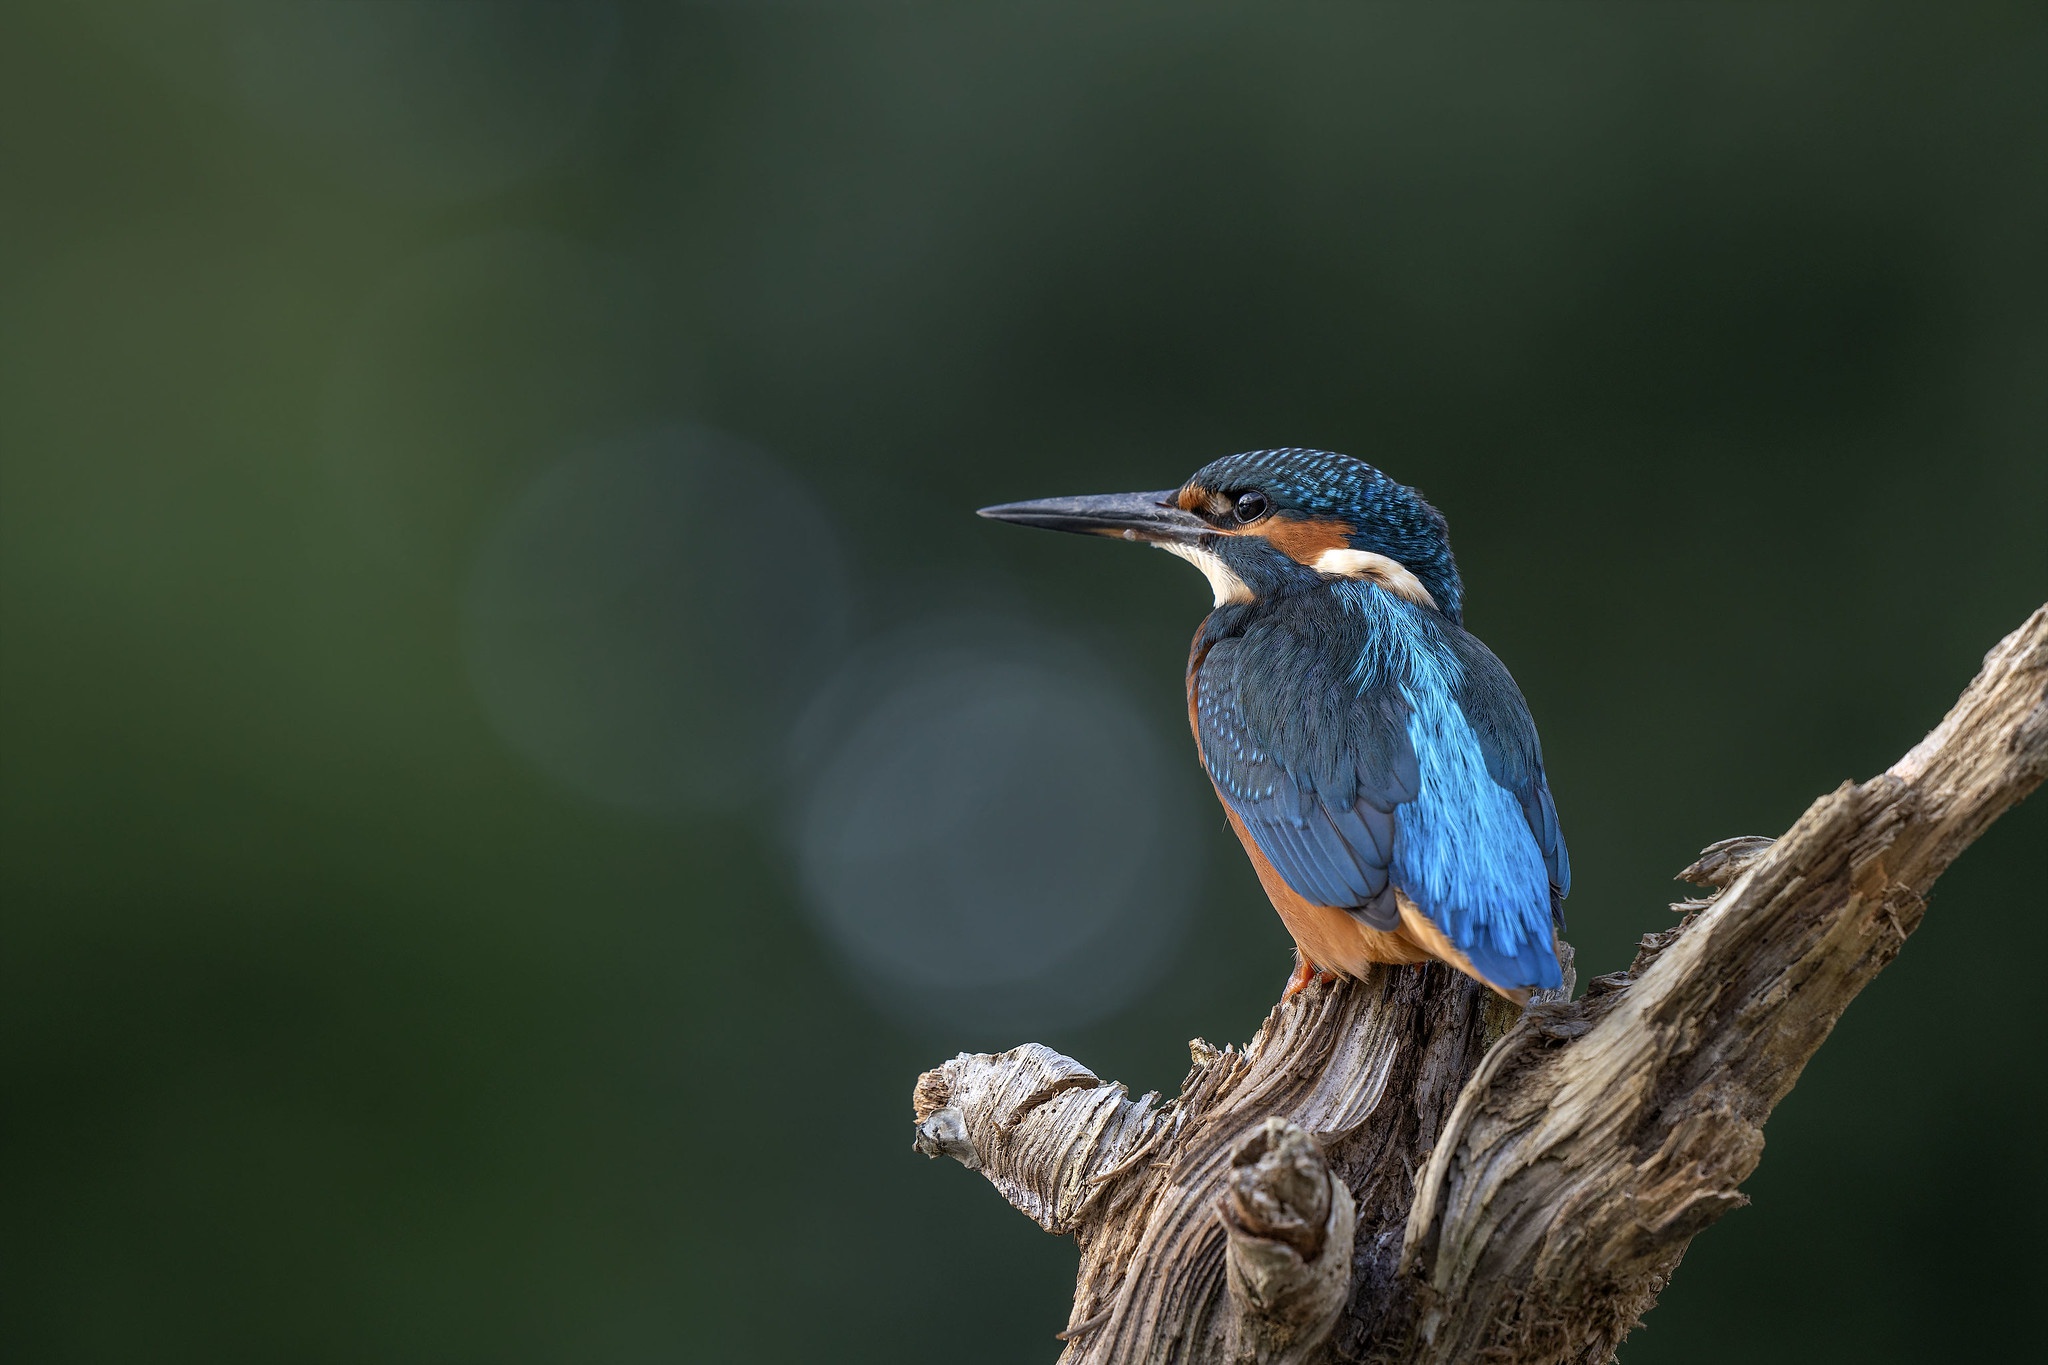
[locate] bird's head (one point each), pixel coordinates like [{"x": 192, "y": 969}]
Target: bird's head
[{"x": 1265, "y": 521}]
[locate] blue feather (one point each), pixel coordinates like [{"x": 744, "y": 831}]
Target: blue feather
[
  {"x": 1465, "y": 852},
  {"x": 1367, "y": 742}
]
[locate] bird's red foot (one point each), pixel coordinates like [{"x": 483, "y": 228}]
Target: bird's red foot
[{"x": 1304, "y": 972}]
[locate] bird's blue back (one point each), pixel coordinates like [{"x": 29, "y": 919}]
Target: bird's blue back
[{"x": 1370, "y": 744}]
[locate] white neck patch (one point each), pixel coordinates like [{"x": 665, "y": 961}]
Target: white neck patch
[
  {"x": 1390, "y": 574},
  {"x": 1227, "y": 586}
]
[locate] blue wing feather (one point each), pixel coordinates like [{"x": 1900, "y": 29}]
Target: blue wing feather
[
  {"x": 1500, "y": 720},
  {"x": 1366, "y": 743}
]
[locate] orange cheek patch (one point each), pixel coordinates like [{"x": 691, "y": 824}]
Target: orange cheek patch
[{"x": 1305, "y": 541}]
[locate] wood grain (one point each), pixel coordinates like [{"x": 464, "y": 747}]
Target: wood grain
[{"x": 1521, "y": 1184}]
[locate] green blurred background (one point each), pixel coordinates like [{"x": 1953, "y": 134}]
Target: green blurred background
[{"x": 348, "y": 1018}]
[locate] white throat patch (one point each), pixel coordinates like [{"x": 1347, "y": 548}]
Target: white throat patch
[
  {"x": 1390, "y": 574},
  {"x": 1227, "y": 586}
]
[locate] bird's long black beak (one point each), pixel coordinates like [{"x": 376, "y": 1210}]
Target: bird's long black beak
[{"x": 1154, "y": 517}]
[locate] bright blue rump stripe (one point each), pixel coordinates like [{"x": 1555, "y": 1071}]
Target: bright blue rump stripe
[{"x": 1464, "y": 852}]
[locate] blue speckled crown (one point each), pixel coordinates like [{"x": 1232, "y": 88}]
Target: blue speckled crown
[{"x": 1386, "y": 517}]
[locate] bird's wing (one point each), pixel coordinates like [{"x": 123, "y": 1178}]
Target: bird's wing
[
  {"x": 1500, "y": 720},
  {"x": 1326, "y": 779},
  {"x": 1480, "y": 852},
  {"x": 1314, "y": 770}
]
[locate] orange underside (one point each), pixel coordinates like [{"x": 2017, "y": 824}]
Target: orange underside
[{"x": 1336, "y": 941}]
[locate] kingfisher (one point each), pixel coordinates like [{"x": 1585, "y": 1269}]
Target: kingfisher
[{"x": 1376, "y": 760}]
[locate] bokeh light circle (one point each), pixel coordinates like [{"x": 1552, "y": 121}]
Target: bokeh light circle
[
  {"x": 647, "y": 616},
  {"x": 986, "y": 830}
]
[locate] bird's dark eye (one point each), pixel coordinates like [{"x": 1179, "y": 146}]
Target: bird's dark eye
[{"x": 1250, "y": 507}]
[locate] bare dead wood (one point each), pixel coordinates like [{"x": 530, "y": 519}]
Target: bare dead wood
[
  {"x": 1288, "y": 1225},
  {"x": 1520, "y": 1189}
]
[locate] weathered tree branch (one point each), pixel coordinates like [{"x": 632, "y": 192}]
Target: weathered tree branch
[
  {"x": 1288, "y": 1223},
  {"x": 1400, "y": 1170}
]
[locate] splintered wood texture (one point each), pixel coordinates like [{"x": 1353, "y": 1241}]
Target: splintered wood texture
[
  {"x": 1521, "y": 1188},
  {"x": 1139, "y": 1183}
]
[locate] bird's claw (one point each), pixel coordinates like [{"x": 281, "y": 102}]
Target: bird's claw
[{"x": 1304, "y": 973}]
